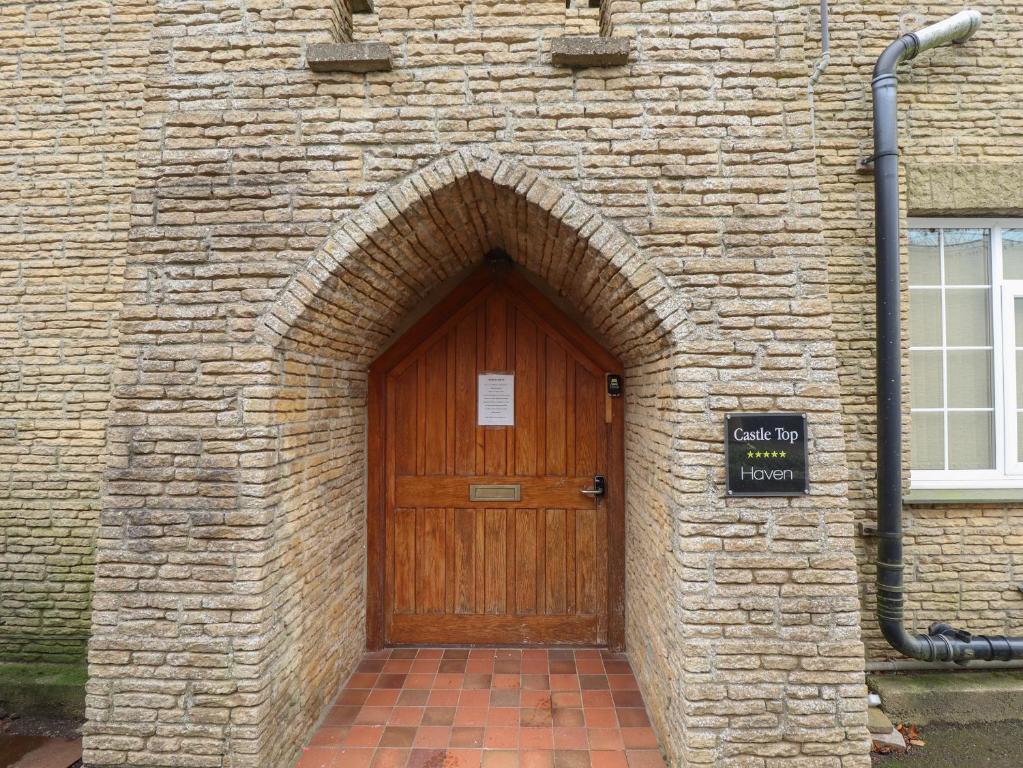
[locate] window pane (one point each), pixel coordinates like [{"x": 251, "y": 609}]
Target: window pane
[
  {"x": 1019, "y": 379},
  {"x": 969, "y": 379},
  {"x": 927, "y": 441},
  {"x": 973, "y": 446},
  {"x": 1012, "y": 253},
  {"x": 967, "y": 318},
  {"x": 925, "y": 317},
  {"x": 1019, "y": 321},
  {"x": 967, "y": 256},
  {"x": 924, "y": 264},
  {"x": 926, "y": 379},
  {"x": 1019, "y": 436}
]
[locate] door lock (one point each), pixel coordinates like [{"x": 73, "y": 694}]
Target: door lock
[{"x": 598, "y": 489}]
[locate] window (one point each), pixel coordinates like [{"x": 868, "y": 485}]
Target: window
[{"x": 966, "y": 344}]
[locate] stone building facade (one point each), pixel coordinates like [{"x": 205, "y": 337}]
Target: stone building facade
[{"x": 207, "y": 242}]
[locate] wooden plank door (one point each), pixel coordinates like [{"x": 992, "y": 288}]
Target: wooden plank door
[{"x": 516, "y": 571}]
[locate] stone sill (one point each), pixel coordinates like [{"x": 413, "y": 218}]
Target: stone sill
[
  {"x": 579, "y": 52},
  {"x": 964, "y": 496},
  {"x": 373, "y": 56}
]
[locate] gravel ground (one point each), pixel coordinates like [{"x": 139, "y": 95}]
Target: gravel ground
[
  {"x": 17, "y": 725},
  {"x": 978, "y": 745}
]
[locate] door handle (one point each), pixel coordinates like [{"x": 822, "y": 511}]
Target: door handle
[{"x": 598, "y": 489}]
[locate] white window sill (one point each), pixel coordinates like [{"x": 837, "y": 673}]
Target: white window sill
[{"x": 945, "y": 495}]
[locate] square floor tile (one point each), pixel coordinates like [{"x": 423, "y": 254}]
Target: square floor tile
[
  {"x": 380, "y": 697},
  {"x": 442, "y": 698},
  {"x": 536, "y": 758},
  {"x": 365, "y": 736},
  {"x": 568, "y": 717},
  {"x": 571, "y": 758},
  {"x": 501, "y": 737},
  {"x": 329, "y": 736},
  {"x": 397, "y": 736},
  {"x": 608, "y": 759},
  {"x": 634, "y": 716},
  {"x": 432, "y": 737},
  {"x": 354, "y": 758},
  {"x": 316, "y": 757},
  {"x": 463, "y": 758},
  {"x": 605, "y": 738},
  {"x": 373, "y": 715},
  {"x": 471, "y": 716},
  {"x": 413, "y": 698},
  {"x": 438, "y": 716},
  {"x": 406, "y": 716},
  {"x": 390, "y": 758},
  {"x": 507, "y": 716},
  {"x": 639, "y": 738},
  {"x": 500, "y": 759},
  {"x": 647, "y": 758},
  {"x": 466, "y": 736},
  {"x": 570, "y": 738},
  {"x": 536, "y": 738}
]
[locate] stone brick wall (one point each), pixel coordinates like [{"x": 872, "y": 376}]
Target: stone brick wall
[
  {"x": 70, "y": 102},
  {"x": 961, "y": 145},
  {"x": 284, "y": 224}
]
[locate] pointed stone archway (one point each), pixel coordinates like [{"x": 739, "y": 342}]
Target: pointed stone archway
[
  {"x": 387, "y": 257},
  {"x": 248, "y": 630},
  {"x": 381, "y": 268}
]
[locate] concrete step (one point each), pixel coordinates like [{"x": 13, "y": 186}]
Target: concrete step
[
  {"x": 950, "y": 696},
  {"x": 878, "y": 722}
]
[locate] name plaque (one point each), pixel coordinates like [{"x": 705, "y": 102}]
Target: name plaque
[{"x": 765, "y": 454}]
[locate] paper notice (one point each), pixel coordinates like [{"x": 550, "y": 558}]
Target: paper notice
[{"x": 495, "y": 400}]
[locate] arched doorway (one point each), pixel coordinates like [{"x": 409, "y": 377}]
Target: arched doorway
[
  {"x": 495, "y": 504},
  {"x": 357, "y": 293}
]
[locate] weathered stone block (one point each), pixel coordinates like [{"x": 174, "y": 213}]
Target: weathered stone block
[
  {"x": 349, "y": 57},
  {"x": 579, "y": 52}
]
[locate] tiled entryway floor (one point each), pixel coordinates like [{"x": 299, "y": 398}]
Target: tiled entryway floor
[{"x": 487, "y": 708}]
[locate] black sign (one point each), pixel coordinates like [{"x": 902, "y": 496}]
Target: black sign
[{"x": 765, "y": 454}]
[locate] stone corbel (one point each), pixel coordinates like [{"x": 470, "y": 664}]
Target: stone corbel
[
  {"x": 370, "y": 56},
  {"x": 579, "y": 52}
]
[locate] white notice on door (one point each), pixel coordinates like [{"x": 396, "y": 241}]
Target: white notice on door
[{"x": 495, "y": 400}]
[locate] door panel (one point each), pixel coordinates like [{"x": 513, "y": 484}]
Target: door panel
[{"x": 531, "y": 570}]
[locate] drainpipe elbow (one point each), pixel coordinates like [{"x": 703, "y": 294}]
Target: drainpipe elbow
[
  {"x": 898, "y": 638},
  {"x": 906, "y": 47}
]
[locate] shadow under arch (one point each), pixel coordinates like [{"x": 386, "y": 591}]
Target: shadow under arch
[{"x": 343, "y": 308}]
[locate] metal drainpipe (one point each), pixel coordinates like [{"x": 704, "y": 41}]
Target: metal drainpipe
[
  {"x": 819, "y": 67},
  {"x": 942, "y": 642}
]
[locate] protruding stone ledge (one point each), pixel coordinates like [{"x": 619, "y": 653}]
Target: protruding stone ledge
[
  {"x": 349, "y": 57},
  {"x": 577, "y": 52}
]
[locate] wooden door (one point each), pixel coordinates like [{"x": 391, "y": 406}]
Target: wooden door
[{"x": 545, "y": 567}]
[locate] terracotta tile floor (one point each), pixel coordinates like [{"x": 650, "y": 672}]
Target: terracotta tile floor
[{"x": 487, "y": 708}]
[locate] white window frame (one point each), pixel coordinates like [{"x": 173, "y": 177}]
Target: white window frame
[
  {"x": 1008, "y": 471},
  {"x": 1011, "y": 290}
]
